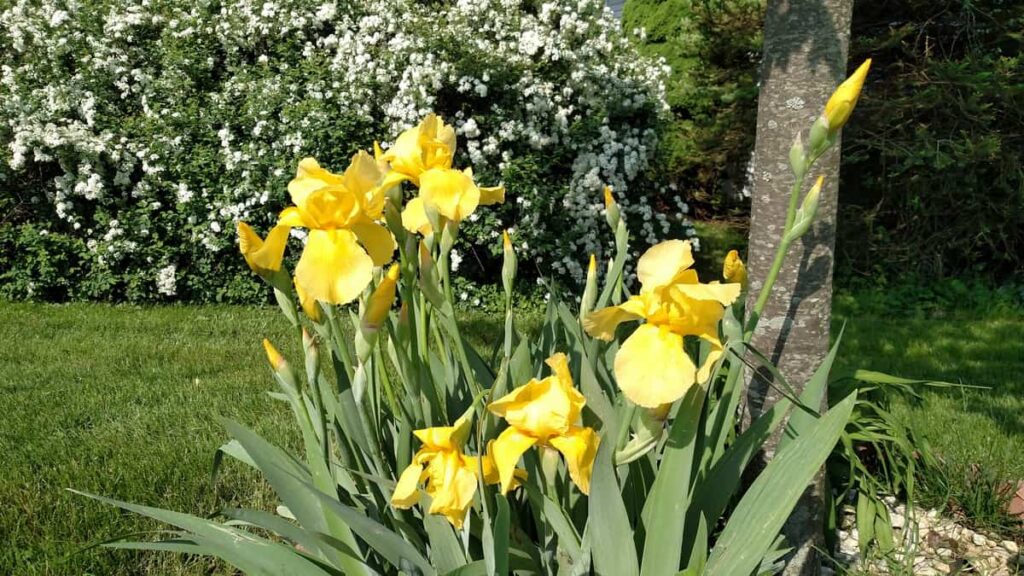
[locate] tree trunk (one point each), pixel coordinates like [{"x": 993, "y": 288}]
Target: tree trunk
[{"x": 805, "y": 45}]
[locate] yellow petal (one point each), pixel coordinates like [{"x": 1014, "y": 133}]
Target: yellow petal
[
  {"x": 447, "y": 437},
  {"x": 723, "y": 293},
  {"x": 508, "y": 448},
  {"x": 492, "y": 195},
  {"x": 263, "y": 256},
  {"x": 363, "y": 174},
  {"x": 652, "y": 368},
  {"x": 602, "y": 323},
  {"x": 662, "y": 262},
  {"x": 451, "y": 191},
  {"x": 309, "y": 178},
  {"x": 490, "y": 470},
  {"x": 579, "y": 446},
  {"x": 539, "y": 408},
  {"x": 559, "y": 365},
  {"x": 840, "y": 105},
  {"x": 291, "y": 216},
  {"x": 405, "y": 155},
  {"x": 407, "y": 491},
  {"x": 414, "y": 217},
  {"x": 377, "y": 240},
  {"x": 333, "y": 267}
]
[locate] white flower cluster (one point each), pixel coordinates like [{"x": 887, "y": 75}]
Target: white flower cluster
[{"x": 152, "y": 127}]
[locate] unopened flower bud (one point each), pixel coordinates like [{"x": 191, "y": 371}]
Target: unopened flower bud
[
  {"x": 733, "y": 269},
  {"x": 797, "y": 156},
  {"x": 590, "y": 289},
  {"x": 312, "y": 356},
  {"x": 273, "y": 356},
  {"x": 612, "y": 213},
  {"x": 807, "y": 211},
  {"x": 509, "y": 265},
  {"x": 379, "y": 303},
  {"x": 430, "y": 283},
  {"x": 844, "y": 99}
]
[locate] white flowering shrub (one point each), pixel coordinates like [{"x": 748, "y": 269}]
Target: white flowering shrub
[{"x": 135, "y": 134}]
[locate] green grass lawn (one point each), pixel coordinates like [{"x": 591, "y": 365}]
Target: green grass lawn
[
  {"x": 124, "y": 401},
  {"x": 977, "y": 433}
]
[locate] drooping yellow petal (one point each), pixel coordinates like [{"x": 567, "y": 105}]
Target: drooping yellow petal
[
  {"x": 451, "y": 191},
  {"x": 407, "y": 491},
  {"x": 453, "y": 485},
  {"x": 492, "y": 195},
  {"x": 508, "y": 448},
  {"x": 377, "y": 240},
  {"x": 579, "y": 446},
  {"x": 334, "y": 267},
  {"x": 490, "y": 470},
  {"x": 652, "y": 368},
  {"x": 662, "y": 263},
  {"x": 733, "y": 269},
  {"x": 842, "y": 102},
  {"x": 414, "y": 217},
  {"x": 263, "y": 256},
  {"x": 602, "y": 323}
]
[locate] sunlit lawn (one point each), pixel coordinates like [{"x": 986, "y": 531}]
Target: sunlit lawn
[{"x": 124, "y": 401}]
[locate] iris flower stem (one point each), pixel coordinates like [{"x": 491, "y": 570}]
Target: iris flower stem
[
  {"x": 780, "y": 256},
  {"x": 453, "y": 325}
]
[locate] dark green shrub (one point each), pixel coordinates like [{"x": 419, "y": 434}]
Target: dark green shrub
[
  {"x": 932, "y": 178},
  {"x": 713, "y": 48}
]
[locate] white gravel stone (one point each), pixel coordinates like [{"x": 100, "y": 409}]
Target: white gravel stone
[{"x": 1010, "y": 546}]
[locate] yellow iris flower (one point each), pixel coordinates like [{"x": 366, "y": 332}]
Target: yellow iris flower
[
  {"x": 345, "y": 241},
  {"x": 547, "y": 413},
  {"x": 840, "y": 105},
  {"x": 448, "y": 476},
  {"x": 423, "y": 155},
  {"x": 651, "y": 367}
]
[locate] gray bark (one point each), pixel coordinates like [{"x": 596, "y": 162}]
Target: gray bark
[{"x": 805, "y": 46}]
